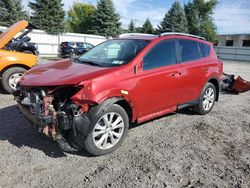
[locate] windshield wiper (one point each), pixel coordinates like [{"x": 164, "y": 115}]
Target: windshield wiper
[{"x": 77, "y": 60}]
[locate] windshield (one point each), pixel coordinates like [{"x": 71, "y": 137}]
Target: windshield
[{"x": 114, "y": 52}]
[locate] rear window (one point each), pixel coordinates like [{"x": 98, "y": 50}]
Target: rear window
[
  {"x": 204, "y": 49},
  {"x": 80, "y": 44},
  {"x": 189, "y": 50}
]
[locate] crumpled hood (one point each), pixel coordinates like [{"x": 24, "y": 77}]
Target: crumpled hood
[{"x": 60, "y": 73}]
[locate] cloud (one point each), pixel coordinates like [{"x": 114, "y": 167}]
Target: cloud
[
  {"x": 232, "y": 17},
  {"x": 139, "y": 11}
]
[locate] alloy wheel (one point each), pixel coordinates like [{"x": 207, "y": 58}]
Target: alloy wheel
[
  {"x": 13, "y": 80},
  {"x": 108, "y": 130},
  {"x": 208, "y": 99}
]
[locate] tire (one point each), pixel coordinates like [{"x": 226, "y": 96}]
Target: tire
[
  {"x": 117, "y": 134},
  {"x": 205, "y": 103},
  {"x": 11, "y": 73}
]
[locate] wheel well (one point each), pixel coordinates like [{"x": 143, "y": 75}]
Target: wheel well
[
  {"x": 126, "y": 106},
  {"x": 13, "y": 65},
  {"x": 215, "y": 82}
]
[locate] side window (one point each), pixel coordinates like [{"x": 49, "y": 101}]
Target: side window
[
  {"x": 189, "y": 50},
  {"x": 204, "y": 49},
  {"x": 162, "y": 54}
]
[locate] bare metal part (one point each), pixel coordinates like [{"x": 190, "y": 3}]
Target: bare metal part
[{"x": 50, "y": 130}]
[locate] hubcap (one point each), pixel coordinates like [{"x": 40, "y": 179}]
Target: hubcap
[
  {"x": 14, "y": 78},
  {"x": 208, "y": 99},
  {"x": 108, "y": 130}
]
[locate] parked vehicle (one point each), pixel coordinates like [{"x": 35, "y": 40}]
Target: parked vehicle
[
  {"x": 12, "y": 63},
  {"x": 73, "y": 49},
  {"x": 91, "y": 102}
]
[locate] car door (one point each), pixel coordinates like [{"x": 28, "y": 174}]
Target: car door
[
  {"x": 193, "y": 68},
  {"x": 158, "y": 81}
]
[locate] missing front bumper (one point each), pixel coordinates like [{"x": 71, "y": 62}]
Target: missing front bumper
[{"x": 39, "y": 122}]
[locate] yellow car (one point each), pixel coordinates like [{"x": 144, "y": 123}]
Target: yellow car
[{"x": 12, "y": 63}]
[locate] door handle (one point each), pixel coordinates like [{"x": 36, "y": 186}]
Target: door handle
[{"x": 175, "y": 74}]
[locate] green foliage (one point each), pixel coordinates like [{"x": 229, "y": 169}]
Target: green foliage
[
  {"x": 11, "y": 11},
  {"x": 131, "y": 27},
  {"x": 106, "y": 21},
  {"x": 79, "y": 18},
  {"x": 174, "y": 20},
  {"x": 199, "y": 15},
  {"x": 138, "y": 30},
  {"x": 147, "y": 27},
  {"x": 48, "y": 15}
]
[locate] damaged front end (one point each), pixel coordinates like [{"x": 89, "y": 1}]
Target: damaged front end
[
  {"x": 53, "y": 113},
  {"x": 232, "y": 85}
]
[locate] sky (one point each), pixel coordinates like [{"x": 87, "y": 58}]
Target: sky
[{"x": 230, "y": 16}]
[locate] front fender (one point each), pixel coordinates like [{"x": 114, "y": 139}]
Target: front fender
[{"x": 9, "y": 58}]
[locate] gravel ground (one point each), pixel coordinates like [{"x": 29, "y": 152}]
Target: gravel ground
[{"x": 178, "y": 150}]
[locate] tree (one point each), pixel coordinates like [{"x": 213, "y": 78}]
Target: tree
[
  {"x": 48, "y": 15},
  {"x": 175, "y": 19},
  {"x": 199, "y": 15},
  {"x": 11, "y": 12},
  {"x": 138, "y": 30},
  {"x": 131, "y": 27},
  {"x": 106, "y": 21},
  {"x": 80, "y": 16},
  {"x": 147, "y": 27}
]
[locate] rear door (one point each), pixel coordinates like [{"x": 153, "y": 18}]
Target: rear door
[
  {"x": 194, "y": 68},
  {"x": 158, "y": 82}
]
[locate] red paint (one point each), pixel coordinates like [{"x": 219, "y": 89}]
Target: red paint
[{"x": 151, "y": 93}]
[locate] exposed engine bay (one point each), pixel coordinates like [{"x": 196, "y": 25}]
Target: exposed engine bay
[{"x": 53, "y": 113}]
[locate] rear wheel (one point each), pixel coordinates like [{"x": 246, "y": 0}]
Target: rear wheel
[
  {"x": 206, "y": 100},
  {"x": 10, "y": 78}
]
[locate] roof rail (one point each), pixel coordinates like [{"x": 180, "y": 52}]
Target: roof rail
[
  {"x": 136, "y": 34},
  {"x": 182, "y": 34}
]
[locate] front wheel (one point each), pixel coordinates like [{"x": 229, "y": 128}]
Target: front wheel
[
  {"x": 10, "y": 78},
  {"x": 108, "y": 132},
  {"x": 206, "y": 100}
]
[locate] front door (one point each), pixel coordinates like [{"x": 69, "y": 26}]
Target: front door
[{"x": 158, "y": 81}]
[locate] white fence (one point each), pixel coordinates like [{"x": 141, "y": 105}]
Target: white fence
[
  {"x": 233, "y": 53},
  {"x": 48, "y": 45}
]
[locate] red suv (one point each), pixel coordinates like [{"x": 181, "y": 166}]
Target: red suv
[{"x": 89, "y": 103}]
